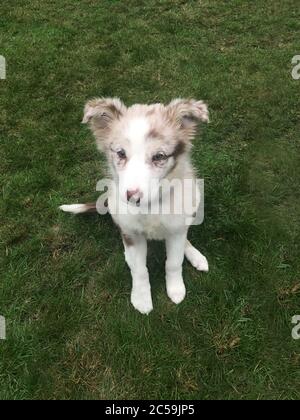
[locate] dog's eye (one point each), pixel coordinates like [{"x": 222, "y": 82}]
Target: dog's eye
[
  {"x": 159, "y": 157},
  {"x": 121, "y": 154}
]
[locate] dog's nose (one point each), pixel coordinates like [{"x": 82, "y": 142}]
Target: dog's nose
[{"x": 134, "y": 194}]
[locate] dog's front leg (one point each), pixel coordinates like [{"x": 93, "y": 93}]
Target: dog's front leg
[
  {"x": 175, "y": 255},
  {"x": 136, "y": 258}
]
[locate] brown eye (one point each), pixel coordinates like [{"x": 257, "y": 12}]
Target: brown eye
[
  {"x": 159, "y": 157},
  {"x": 121, "y": 154}
]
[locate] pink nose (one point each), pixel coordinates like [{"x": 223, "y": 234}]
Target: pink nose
[{"x": 134, "y": 194}]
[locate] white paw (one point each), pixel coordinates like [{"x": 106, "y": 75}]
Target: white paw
[
  {"x": 142, "y": 301},
  {"x": 176, "y": 291},
  {"x": 197, "y": 259}
]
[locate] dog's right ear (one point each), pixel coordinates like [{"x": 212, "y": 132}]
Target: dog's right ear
[{"x": 101, "y": 113}]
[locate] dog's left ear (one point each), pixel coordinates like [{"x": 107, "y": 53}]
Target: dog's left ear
[
  {"x": 103, "y": 110},
  {"x": 100, "y": 114},
  {"x": 187, "y": 114}
]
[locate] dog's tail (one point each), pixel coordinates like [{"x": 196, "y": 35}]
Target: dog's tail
[{"x": 79, "y": 208}]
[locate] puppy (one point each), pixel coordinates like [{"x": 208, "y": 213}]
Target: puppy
[{"x": 146, "y": 146}]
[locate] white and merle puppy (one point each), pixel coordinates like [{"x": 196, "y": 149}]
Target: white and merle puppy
[{"x": 145, "y": 145}]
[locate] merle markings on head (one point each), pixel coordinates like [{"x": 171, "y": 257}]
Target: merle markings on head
[{"x": 144, "y": 140}]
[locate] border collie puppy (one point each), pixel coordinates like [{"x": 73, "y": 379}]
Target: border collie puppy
[{"x": 146, "y": 146}]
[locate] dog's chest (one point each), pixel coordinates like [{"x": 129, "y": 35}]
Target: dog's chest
[{"x": 152, "y": 226}]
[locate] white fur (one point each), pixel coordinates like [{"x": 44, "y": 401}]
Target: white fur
[
  {"x": 196, "y": 258},
  {"x": 128, "y": 129},
  {"x": 136, "y": 258},
  {"x": 172, "y": 229},
  {"x": 137, "y": 130},
  {"x": 73, "y": 208},
  {"x": 137, "y": 174}
]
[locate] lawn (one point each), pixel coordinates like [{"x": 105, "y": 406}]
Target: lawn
[{"x": 64, "y": 284}]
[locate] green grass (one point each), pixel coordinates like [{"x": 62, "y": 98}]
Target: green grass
[{"x": 64, "y": 285}]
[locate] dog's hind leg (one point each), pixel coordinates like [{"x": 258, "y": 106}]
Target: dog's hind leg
[{"x": 195, "y": 257}]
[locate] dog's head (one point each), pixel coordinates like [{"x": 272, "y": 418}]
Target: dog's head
[{"x": 144, "y": 143}]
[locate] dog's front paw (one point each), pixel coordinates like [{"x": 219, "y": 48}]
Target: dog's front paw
[
  {"x": 176, "y": 290},
  {"x": 142, "y": 300}
]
